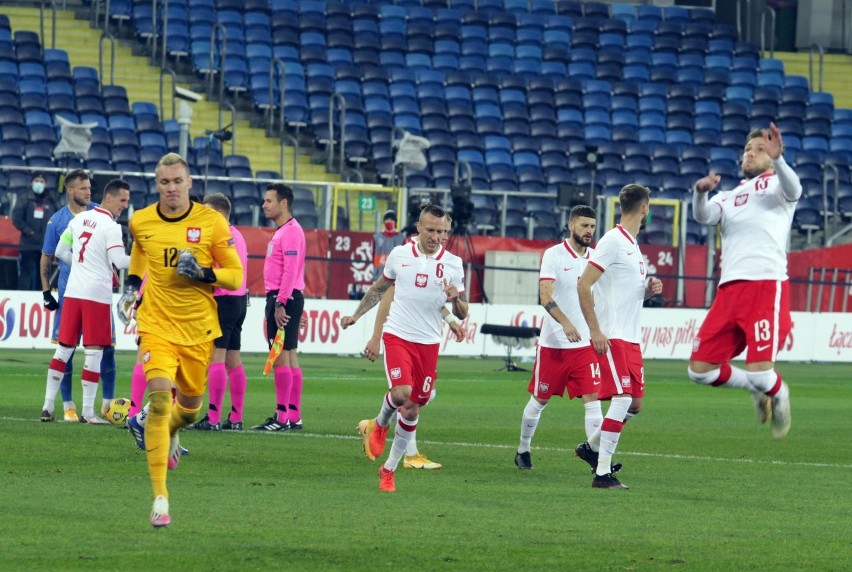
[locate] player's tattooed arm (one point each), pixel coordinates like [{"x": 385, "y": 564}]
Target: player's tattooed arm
[
  {"x": 372, "y": 297},
  {"x": 550, "y": 306},
  {"x": 460, "y": 306}
]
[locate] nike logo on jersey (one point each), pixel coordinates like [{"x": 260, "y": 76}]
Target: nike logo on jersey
[
  {"x": 630, "y": 254},
  {"x": 762, "y": 348},
  {"x": 406, "y": 265},
  {"x": 567, "y": 269}
]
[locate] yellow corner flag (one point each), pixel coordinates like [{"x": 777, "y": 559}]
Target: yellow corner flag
[{"x": 275, "y": 351}]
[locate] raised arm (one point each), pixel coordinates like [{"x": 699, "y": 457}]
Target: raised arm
[{"x": 370, "y": 299}]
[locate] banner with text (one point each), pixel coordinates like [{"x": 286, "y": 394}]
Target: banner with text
[{"x": 666, "y": 333}]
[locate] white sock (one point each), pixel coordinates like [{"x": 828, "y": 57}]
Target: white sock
[
  {"x": 54, "y": 379},
  {"x": 763, "y": 381},
  {"x": 609, "y": 438},
  {"x": 404, "y": 431},
  {"x": 69, "y": 405},
  {"x": 529, "y": 423},
  {"x": 737, "y": 378},
  {"x": 142, "y": 416},
  {"x": 386, "y": 413},
  {"x": 593, "y": 417},
  {"x": 90, "y": 391},
  {"x": 411, "y": 448}
]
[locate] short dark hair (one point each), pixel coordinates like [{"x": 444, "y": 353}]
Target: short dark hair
[
  {"x": 754, "y": 134},
  {"x": 116, "y": 185},
  {"x": 219, "y": 202},
  {"x": 75, "y": 175},
  {"x": 432, "y": 209},
  {"x": 632, "y": 196},
  {"x": 283, "y": 192},
  {"x": 582, "y": 210}
]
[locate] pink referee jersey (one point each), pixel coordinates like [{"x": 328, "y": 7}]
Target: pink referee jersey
[
  {"x": 242, "y": 252},
  {"x": 284, "y": 267},
  {"x": 563, "y": 265},
  {"x": 415, "y": 315},
  {"x": 620, "y": 291},
  {"x": 756, "y": 219}
]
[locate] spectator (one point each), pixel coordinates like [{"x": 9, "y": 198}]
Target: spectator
[{"x": 30, "y": 217}]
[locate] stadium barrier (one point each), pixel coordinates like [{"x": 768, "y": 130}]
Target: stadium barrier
[{"x": 666, "y": 333}]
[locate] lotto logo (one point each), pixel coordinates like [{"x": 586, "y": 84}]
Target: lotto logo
[
  {"x": 396, "y": 373},
  {"x": 193, "y": 234},
  {"x": 625, "y": 381}
]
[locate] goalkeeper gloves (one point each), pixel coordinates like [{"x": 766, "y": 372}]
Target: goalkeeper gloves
[
  {"x": 127, "y": 303},
  {"x": 188, "y": 266},
  {"x": 50, "y": 302}
]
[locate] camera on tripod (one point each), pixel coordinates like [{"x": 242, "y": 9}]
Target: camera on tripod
[{"x": 462, "y": 206}]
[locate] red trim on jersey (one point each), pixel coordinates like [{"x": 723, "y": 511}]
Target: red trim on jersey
[
  {"x": 441, "y": 253},
  {"x": 115, "y": 246},
  {"x": 100, "y": 210},
  {"x": 385, "y": 276},
  {"x": 625, "y": 233},
  {"x": 547, "y": 279},
  {"x": 598, "y": 266},
  {"x": 569, "y": 249},
  {"x": 414, "y": 249}
]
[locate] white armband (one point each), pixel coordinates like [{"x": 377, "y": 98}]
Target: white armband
[{"x": 450, "y": 319}]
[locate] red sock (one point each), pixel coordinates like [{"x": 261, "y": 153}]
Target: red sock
[
  {"x": 216, "y": 382},
  {"x": 238, "y": 383}
]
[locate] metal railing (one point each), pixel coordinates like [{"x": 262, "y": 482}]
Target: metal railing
[
  {"x": 222, "y": 53},
  {"x": 111, "y": 38},
  {"x": 52, "y": 23},
  {"x": 274, "y": 64},
  {"x": 163, "y": 71},
  {"x": 773, "y": 17},
  {"x": 821, "y": 51},
  {"x": 341, "y": 107}
]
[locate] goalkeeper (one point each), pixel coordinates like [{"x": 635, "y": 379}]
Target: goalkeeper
[{"x": 177, "y": 243}]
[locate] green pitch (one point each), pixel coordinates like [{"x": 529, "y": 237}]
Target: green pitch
[{"x": 710, "y": 488}]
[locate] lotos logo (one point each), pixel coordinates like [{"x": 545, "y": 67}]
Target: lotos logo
[{"x": 7, "y": 320}]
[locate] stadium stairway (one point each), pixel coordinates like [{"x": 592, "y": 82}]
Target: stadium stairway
[
  {"x": 835, "y": 79},
  {"x": 142, "y": 83}
]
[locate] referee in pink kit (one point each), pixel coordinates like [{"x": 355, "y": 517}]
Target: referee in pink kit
[{"x": 284, "y": 281}]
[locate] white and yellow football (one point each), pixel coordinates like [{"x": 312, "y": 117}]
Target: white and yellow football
[{"x": 117, "y": 411}]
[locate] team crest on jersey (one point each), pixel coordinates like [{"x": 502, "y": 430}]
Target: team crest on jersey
[
  {"x": 740, "y": 200},
  {"x": 544, "y": 387},
  {"x": 396, "y": 373},
  {"x": 625, "y": 381},
  {"x": 422, "y": 280},
  {"x": 193, "y": 234}
]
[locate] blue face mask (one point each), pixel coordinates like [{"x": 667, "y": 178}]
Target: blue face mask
[{"x": 38, "y": 188}]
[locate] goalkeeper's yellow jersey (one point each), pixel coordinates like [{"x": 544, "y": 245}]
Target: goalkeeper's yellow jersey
[{"x": 176, "y": 308}]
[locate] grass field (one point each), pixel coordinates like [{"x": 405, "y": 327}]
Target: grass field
[{"x": 710, "y": 488}]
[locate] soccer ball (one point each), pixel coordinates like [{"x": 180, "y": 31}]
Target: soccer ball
[{"x": 117, "y": 411}]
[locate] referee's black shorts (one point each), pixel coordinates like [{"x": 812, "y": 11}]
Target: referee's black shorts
[
  {"x": 232, "y": 314},
  {"x": 294, "y": 307}
]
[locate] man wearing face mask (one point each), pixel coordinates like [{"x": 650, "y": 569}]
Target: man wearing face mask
[
  {"x": 30, "y": 217},
  {"x": 384, "y": 241}
]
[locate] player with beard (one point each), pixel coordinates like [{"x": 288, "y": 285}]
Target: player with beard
[
  {"x": 751, "y": 310},
  {"x": 617, "y": 271},
  {"x": 564, "y": 358}
]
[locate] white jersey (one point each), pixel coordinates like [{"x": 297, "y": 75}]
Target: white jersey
[
  {"x": 756, "y": 219},
  {"x": 415, "y": 314},
  {"x": 564, "y": 265},
  {"x": 94, "y": 233},
  {"x": 620, "y": 291}
]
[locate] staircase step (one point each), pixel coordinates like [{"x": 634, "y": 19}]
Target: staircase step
[{"x": 142, "y": 82}]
